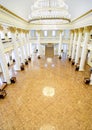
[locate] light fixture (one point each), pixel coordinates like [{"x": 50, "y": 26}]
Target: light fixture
[{"x": 49, "y": 12}]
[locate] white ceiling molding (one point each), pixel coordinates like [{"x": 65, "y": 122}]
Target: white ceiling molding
[
  {"x": 10, "y": 19},
  {"x": 85, "y": 20}
]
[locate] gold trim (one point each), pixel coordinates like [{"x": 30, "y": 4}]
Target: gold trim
[
  {"x": 72, "y": 31},
  {"x": 88, "y": 28},
  {"x": 90, "y": 11},
  {"x": 25, "y": 31},
  {"x": 38, "y": 19},
  {"x": 19, "y": 30},
  {"x": 12, "y": 29},
  {"x": 10, "y": 12},
  {"x": 80, "y": 30},
  {"x": 1, "y": 28}
]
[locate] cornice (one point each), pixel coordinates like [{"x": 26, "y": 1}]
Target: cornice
[
  {"x": 90, "y": 11},
  {"x": 10, "y": 12}
]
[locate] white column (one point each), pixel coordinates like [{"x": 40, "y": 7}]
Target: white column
[
  {"x": 74, "y": 44},
  {"x": 17, "y": 58},
  {"x": 4, "y": 64},
  {"x": 78, "y": 46},
  {"x": 60, "y": 43},
  {"x": 38, "y": 45},
  {"x": 84, "y": 49},
  {"x": 25, "y": 47},
  {"x": 21, "y": 47},
  {"x": 71, "y": 43},
  {"x": 7, "y": 57},
  {"x": 29, "y": 48},
  {"x": 91, "y": 79}
]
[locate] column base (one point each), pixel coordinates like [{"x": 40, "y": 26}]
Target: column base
[
  {"x": 8, "y": 82},
  {"x": 81, "y": 69},
  {"x": 90, "y": 83},
  {"x": 17, "y": 70},
  {"x": 76, "y": 63}
]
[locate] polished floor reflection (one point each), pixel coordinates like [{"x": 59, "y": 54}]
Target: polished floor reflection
[
  {"x": 48, "y": 96},
  {"x": 47, "y": 127},
  {"x": 49, "y": 91}
]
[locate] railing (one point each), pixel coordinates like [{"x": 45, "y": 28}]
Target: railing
[
  {"x": 4, "y": 41},
  {"x": 49, "y": 39}
]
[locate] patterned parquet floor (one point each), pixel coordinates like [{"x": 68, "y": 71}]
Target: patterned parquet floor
[{"x": 48, "y": 95}]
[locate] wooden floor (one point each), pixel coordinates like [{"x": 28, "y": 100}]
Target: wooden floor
[{"x": 48, "y": 95}]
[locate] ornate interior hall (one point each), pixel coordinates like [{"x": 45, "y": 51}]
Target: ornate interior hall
[{"x": 45, "y": 65}]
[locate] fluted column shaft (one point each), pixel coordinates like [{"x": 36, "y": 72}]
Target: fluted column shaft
[
  {"x": 60, "y": 43},
  {"x": 25, "y": 46},
  {"x": 29, "y": 48},
  {"x": 91, "y": 79},
  {"x": 74, "y": 44},
  {"x": 21, "y": 47},
  {"x": 84, "y": 49},
  {"x": 4, "y": 64},
  {"x": 16, "y": 52},
  {"x": 78, "y": 46},
  {"x": 71, "y": 43},
  {"x": 38, "y": 45}
]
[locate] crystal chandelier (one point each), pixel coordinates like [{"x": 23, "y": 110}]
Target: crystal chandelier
[{"x": 49, "y": 12}]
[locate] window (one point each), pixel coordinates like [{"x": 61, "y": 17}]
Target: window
[
  {"x": 2, "y": 35},
  {"x": 33, "y": 33},
  {"x": 45, "y": 33},
  {"x": 9, "y": 35},
  {"x": 53, "y": 33}
]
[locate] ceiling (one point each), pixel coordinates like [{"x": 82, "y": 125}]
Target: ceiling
[{"x": 22, "y": 7}]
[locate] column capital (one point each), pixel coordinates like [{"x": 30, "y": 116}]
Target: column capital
[
  {"x": 87, "y": 29},
  {"x": 24, "y": 31},
  {"x": 72, "y": 31},
  {"x": 76, "y": 30},
  {"x": 38, "y": 31},
  {"x": 1, "y": 28},
  {"x": 60, "y": 31},
  {"x": 19, "y": 30},
  {"x": 80, "y": 30},
  {"x": 12, "y": 29}
]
